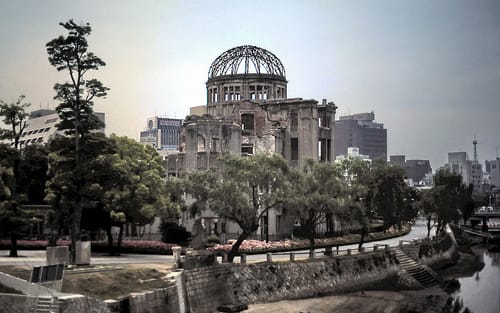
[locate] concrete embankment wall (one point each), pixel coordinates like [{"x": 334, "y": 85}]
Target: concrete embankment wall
[{"x": 268, "y": 282}]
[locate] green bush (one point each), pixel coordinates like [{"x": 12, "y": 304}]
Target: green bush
[
  {"x": 213, "y": 238},
  {"x": 174, "y": 233}
]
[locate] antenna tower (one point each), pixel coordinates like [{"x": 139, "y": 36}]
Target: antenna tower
[{"x": 474, "y": 142}]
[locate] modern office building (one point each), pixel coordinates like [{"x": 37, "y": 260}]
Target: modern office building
[
  {"x": 417, "y": 171},
  {"x": 42, "y": 126},
  {"x": 163, "y": 134},
  {"x": 495, "y": 173},
  {"x": 471, "y": 170},
  {"x": 399, "y": 160},
  {"x": 361, "y": 130}
]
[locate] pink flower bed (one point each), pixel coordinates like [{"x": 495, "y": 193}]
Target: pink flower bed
[
  {"x": 257, "y": 245},
  {"x": 126, "y": 244},
  {"x": 34, "y": 243},
  {"x": 139, "y": 244}
]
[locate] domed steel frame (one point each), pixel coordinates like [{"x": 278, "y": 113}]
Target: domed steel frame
[
  {"x": 263, "y": 61},
  {"x": 246, "y": 73}
]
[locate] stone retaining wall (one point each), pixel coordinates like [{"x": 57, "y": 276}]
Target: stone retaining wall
[{"x": 208, "y": 287}]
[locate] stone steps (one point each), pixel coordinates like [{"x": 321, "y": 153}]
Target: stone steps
[
  {"x": 45, "y": 305},
  {"x": 420, "y": 273}
]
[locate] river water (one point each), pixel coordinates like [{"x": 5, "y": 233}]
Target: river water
[{"x": 481, "y": 291}]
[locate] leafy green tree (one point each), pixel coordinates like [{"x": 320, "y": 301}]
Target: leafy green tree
[
  {"x": 33, "y": 169},
  {"x": 244, "y": 192},
  {"x": 427, "y": 206},
  {"x": 316, "y": 194},
  {"x": 15, "y": 219},
  {"x": 449, "y": 197},
  {"x": 70, "y": 53},
  {"x": 388, "y": 194},
  {"x": 356, "y": 206},
  {"x": 138, "y": 192},
  {"x": 14, "y": 116},
  {"x": 64, "y": 189}
]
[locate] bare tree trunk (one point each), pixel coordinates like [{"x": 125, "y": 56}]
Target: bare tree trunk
[
  {"x": 364, "y": 232},
  {"x": 110, "y": 241},
  {"x": 429, "y": 225},
  {"x": 236, "y": 246},
  {"x": 119, "y": 243},
  {"x": 13, "y": 244}
]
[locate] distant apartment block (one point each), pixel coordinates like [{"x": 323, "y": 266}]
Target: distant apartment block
[{"x": 361, "y": 130}]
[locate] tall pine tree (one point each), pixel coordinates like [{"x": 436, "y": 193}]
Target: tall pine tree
[{"x": 70, "y": 53}]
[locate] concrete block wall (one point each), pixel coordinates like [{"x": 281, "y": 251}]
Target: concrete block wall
[
  {"x": 81, "y": 304},
  {"x": 10, "y": 303},
  {"x": 163, "y": 300},
  {"x": 207, "y": 287}
]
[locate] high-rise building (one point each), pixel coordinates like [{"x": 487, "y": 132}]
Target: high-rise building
[
  {"x": 163, "y": 134},
  {"x": 361, "y": 130},
  {"x": 471, "y": 170},
  {"x": 495, "y": 173}
]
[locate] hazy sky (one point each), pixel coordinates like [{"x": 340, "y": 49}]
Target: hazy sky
[{"x": 430, "y": 70}]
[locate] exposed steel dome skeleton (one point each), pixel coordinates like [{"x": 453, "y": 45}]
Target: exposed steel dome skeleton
[
  {"x": 246, "y": 73},
  {"x": 245, "y": 60}
]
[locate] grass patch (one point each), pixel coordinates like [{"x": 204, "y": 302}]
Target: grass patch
[{"x": 115, "y": 284}]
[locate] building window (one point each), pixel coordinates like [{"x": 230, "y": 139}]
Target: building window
[
  {"x": 294, "y": 119},
  {"x": 247, "y": 123},
  {"x": 294, "y": 145},
  {"x": 246, "y": 149}
]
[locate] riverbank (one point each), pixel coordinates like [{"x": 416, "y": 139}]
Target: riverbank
[{"x": 423, "y": 301}]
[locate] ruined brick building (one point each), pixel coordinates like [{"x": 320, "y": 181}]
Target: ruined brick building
[{"x": 248, "y": 112}]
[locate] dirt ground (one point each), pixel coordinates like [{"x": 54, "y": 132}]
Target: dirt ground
[{"x": 107, "y": 282}]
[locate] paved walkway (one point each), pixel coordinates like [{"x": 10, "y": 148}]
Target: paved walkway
[{"x": 37, "y": 257}]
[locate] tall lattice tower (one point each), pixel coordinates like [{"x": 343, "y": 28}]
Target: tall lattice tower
[{"x": 474, "y": 142}]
